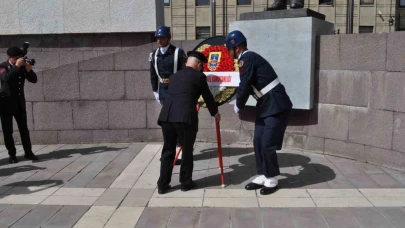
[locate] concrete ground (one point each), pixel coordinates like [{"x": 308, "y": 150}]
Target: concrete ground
[{"x": 114, "y": 185}]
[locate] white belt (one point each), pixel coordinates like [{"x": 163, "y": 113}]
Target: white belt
[
  {"x": 266, "y": 89},
  {"x": 176, "y": 58}
]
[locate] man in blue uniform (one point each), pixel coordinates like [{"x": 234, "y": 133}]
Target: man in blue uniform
[
  {"x": 258, "y": 78},
  {"x": 164, "y": 61}
]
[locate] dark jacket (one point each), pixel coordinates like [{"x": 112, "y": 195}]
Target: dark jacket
[
  {"x": 186, "y": 86},
  {"x": 255, "y": 70},
  {"x": 165, "y": 65},
  {"x": 12, "y": 80}
]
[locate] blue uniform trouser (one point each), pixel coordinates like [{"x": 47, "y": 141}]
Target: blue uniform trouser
[{"x": 268, "y": 137}]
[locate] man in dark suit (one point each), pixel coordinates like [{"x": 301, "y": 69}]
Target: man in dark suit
[
  {"x": 12, "y": 101},
  {"x": 258, "y": 78},
  {"x": 179, "y": 119}
]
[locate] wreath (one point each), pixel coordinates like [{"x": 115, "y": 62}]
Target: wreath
[{"x": 225, "y": 64}]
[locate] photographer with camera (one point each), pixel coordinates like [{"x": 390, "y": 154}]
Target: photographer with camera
[{"x": 12, "y": 100}]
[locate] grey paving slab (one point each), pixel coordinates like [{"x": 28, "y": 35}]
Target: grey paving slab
[
  {"x": 368, "y": 168},
  {"x": 400, "y": 177},
  {"x": 215, "y": 217},
  {"x": 184, "y": 218},
  {"x": 361, "y": 180},
  {"x": 76, "y": 166},
  {"x": 80, "y": 180},
  {"x": 135, "y": 201},
  {"x": 63, "y": 177},
  {"x": 315, "y": 181},
  {"x": 38, "y": 216},
  {"x": 66, "y": 217},
  {"x": 339, "y": 218},
  {"x": 370, "y": 218},
  {"x": 38, "y": 177},
  {"x": 108, "y": 156},
  {"x": 307, "y": 218},
  {"x": 340, "y": 182},
  {"x": 3, "y": 207},
  {"x": 396, "y": 216},
  {"x": 102, "y": 180},
  {"x": 154, "y": 217},
  {"x": 17, "y": 178},
  {"x": 95, "y": 167},
  {"x": 246, "y": 217},
  {"x": 277, "y": 218},
  {"x": 384, "y": 180},
  {"x": 112, "y": 197},
  {"x": 13, "y": 213}
]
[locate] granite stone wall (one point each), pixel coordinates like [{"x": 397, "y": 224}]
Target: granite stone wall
[{"x": 359, "y": 111}]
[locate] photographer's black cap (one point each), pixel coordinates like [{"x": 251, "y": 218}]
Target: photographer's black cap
[
  {"x": 200, "y": 56},
  {"x": 14, "y": 52}
]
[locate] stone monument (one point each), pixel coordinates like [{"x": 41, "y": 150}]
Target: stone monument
[{"x": 287, "y": 39}]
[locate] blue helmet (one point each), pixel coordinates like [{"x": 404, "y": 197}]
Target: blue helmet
[
  {"x": 163, "y": 31},
  {"x": 234, "y": 38}
]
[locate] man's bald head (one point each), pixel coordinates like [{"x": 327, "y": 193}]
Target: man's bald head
[{"x": 194, "y": 63}]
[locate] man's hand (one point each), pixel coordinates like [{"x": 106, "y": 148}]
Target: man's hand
[
  {"x": 156, "y": 96},
  {"x": 28, "y": 67},
  {"x": 236, "y": 109},
  {"x": 217, "y": 117},
  {"x": 20, "y": 62}
]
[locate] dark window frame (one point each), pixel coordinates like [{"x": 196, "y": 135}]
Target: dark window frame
[
  {"x": 203, "y": 35},
  {"x": 326, "y": 2},
  {"x": 166, "y": 4},
  {"x": 203, "y": 4},
  {"x": 243, "y": 3},
  {"x": 364, "y": 27}
]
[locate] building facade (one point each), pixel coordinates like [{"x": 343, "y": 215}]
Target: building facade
[{"x": 191, "y": 19}]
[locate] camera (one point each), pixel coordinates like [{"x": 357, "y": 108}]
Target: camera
[{"x": 24, "y": 50}]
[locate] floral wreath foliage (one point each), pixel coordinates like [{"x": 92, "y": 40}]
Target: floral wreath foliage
[{"x": 226, "y": 64}]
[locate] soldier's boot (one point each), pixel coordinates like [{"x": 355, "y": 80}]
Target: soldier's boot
[
  {"x": 296, "y": 4},
  {"x": 278, "y": 5}
]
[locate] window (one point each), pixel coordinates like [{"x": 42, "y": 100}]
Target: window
[
  {"x": 325, "y": 2},
  {"x": 402, "y": 3},
  {"x": 202, "y": 2},
  {"x": 244, "y": 2},
  {"x": 366, "y": 2},
  {"x": 366, "y": 29},
  {"x": 203, "y": 32},
  {"x": 167, "y": 2}
]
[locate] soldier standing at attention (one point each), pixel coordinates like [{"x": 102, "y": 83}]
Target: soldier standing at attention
[
  {"x": 165, "y": 61},
  {"x": 258, "y": 78}
]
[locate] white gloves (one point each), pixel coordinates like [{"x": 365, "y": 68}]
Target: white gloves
[
  {"x": 235, "y": 108},
  {"x": 156, "y": 96}
]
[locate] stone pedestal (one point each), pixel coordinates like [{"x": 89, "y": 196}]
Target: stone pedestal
[{"x": 289, "y": 44}]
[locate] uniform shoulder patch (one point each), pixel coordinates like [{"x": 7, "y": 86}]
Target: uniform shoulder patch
[
  {"x": 150, "y": 56},
  {"x": 241, "y": 63},
  {"x": 2, "y": 70}
]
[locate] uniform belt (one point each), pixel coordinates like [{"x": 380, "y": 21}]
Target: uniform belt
[
  {"x": 258, "y": 94},
  {"x": 165, "y": 80}
]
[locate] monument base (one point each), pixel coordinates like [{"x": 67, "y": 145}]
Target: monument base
[{"x": 289, "y": 45}]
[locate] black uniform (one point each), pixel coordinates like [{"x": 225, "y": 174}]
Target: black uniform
[
  {"x": 179, "y": 119},
  {"x": 12, "y": 103},
  {"x": 273, "y": 110},
  {"x": 165, "y": 65}
]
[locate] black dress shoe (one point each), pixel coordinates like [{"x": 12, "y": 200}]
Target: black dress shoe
[
  {"x": 268, "y": 190},
  {"x": 253, "y": 186},
  {"x": 164, "y": 189},
  {"x": 31, "y": 156},
  {"x": 187, "y": 187},
  {"x": 13, "y": 159}
]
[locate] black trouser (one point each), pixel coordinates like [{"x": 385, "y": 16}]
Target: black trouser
[
  {"x": 7, "y": 125},
  {"x": 269, "y": 134},
  {"x": 186, "y": 135}
]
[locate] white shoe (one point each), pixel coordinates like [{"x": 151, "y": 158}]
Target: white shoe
[
  {"x": 271, "y": 182},
  {"x": 259, "y": 180}
]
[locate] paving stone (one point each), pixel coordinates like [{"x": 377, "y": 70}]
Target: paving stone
[
  {"x": 176, "y": 202},
  {"x": 368, "y": 168},
  {"x": 111, "y": 197},
  {"x": 70, "y": 200},
  {"x": 286, "y": 202},
  {"x": 66, "y": 217},
  {"x": 228, "y": 193},
  {"x": 75, "y": 166},
  {"x": 81, "y": 180},
  {"x": 286, "y": 193},
  {"x": 361, "y": 180},
  {"x": 13, "y": 213},
  {"x": 184, "y": 218},
  {"x": 385, "y": 181},
  {"x": 246, "y": 217},
  {"x": 343, "y": 202},
  {"x": 396, "y": 216},
  {"x": 215, "y": 217},
  {"x": 96, "y": 216},
  {"x": 125, "y": 217},
  {"x": 38, "y": 216},
  {"x": 395, "y": 192},
  {"x": 369, "y": 217},
  {"x": 307, "y": 217},
  {"x": 277, "y": 218},
  {"x": 93, "y": 192},
  {"x": 339, "y": 218},
  {"x": 3, "y": 207},
  {"x": 400, "y": 177},
  {"x": 387, "y": 201},
  {"x": 135, "y": 202},
  {"x": 154, "y": 217},
  {"x": 62, "y": 177}
]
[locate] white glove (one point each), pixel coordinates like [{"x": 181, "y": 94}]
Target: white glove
[
  {"x": 235, "y": 108},
  {"x": 156, "y": 96}
]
